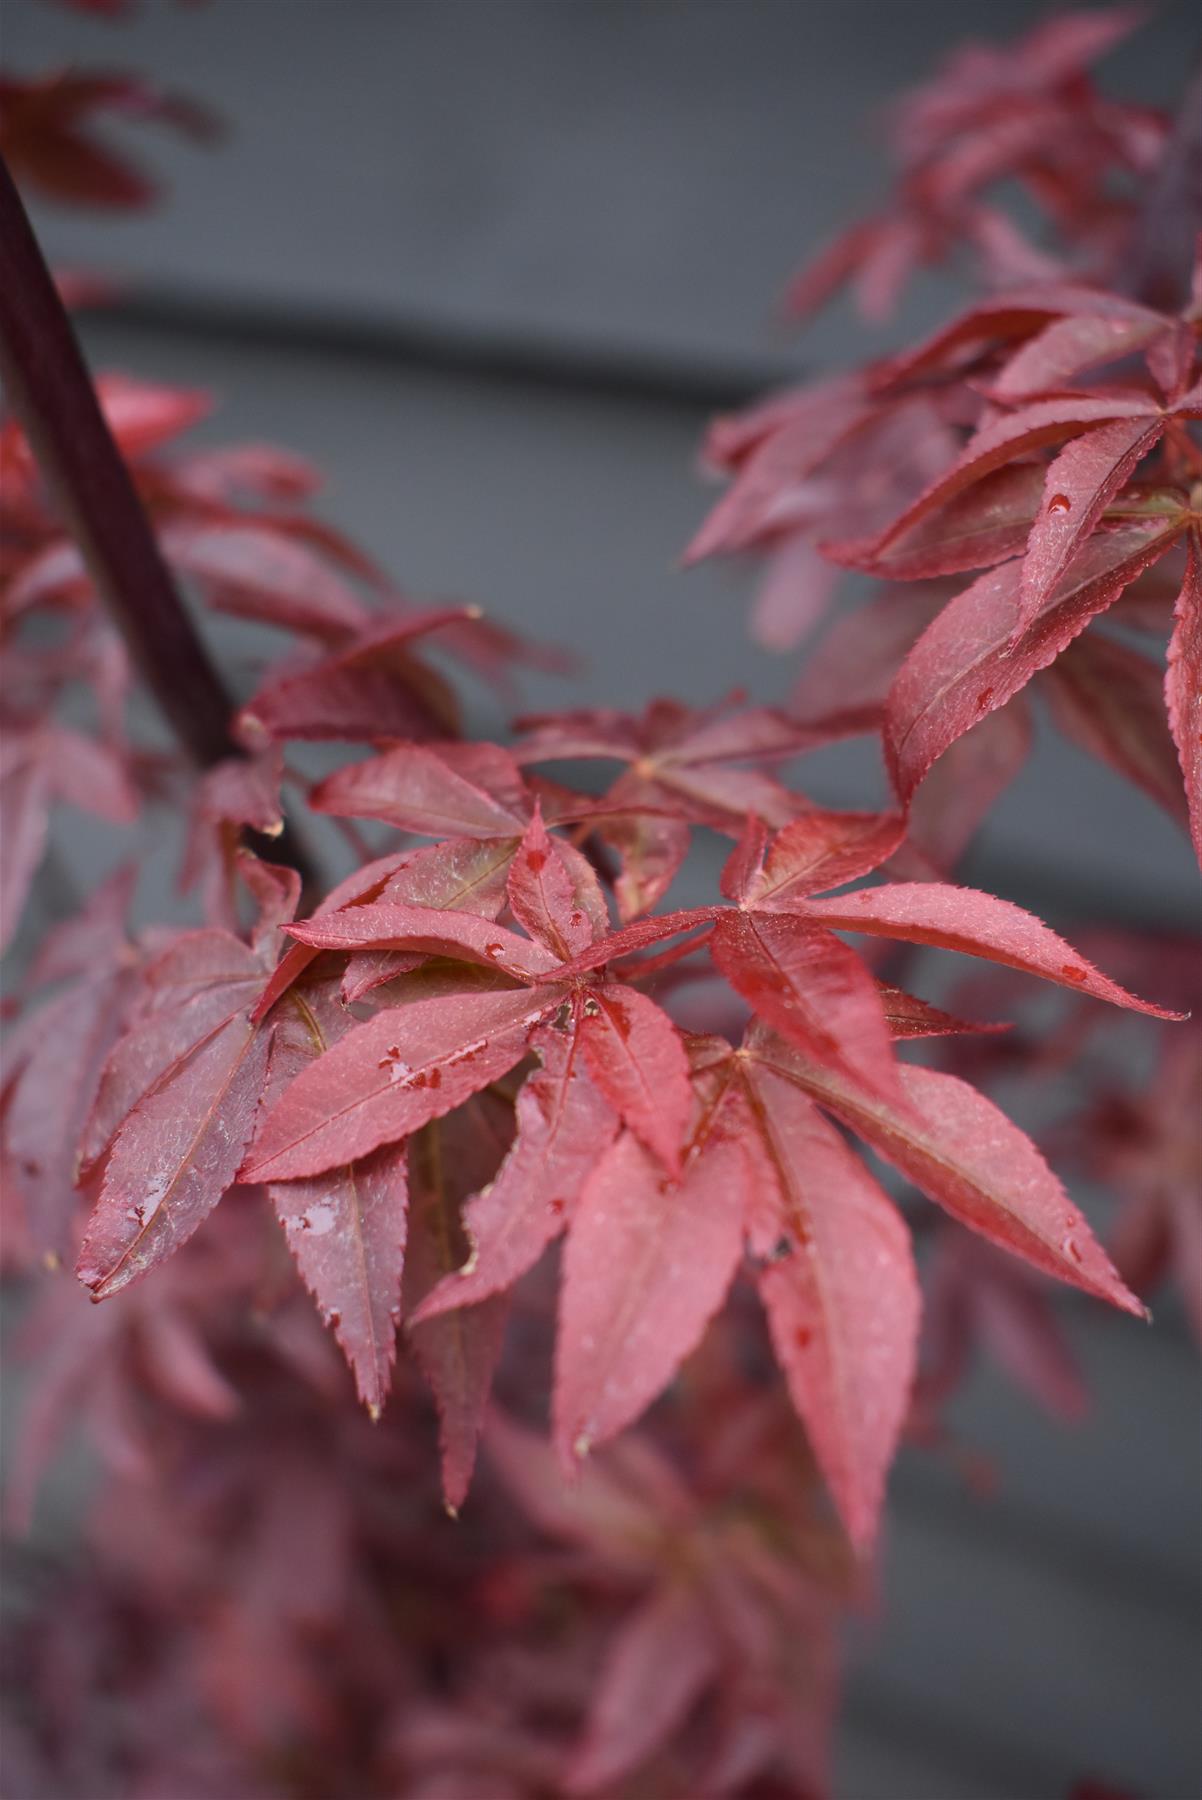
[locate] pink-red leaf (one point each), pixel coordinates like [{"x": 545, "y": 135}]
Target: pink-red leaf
[
  {"x": 990, "y": 521},
  {"x": 416, "y": 789},
  {"x": 1066, "y": 346},
  {"x": 955, "y": 918},
  {"x": 811, "y": 988},
  {"x": 256, "y": 572},
  {"x": 1080, "y": 483},
  {"x": 647, "y": 1264},
  {"x": 656, "y": 1666},
  {"x": 174, "y": 1158},
  {"x": 969, "y": 661},
  {"x": 841, "y": 1293},
  {"x": 651, "y": 848},
  {"x": 542, "y": 894},
  {"x": 391, "y": 1075},
  {"x": 210, "y": 979},
  {"x": 439, "y": 931},
  {"x": 634, "y": 1054},
  {"x": 823, "y": 850},
  {"x": 1111, "y": 700},
  {"x": 458, "y": 1352},
  {"x": 964, "y": 1154},
  {"x": 345, "y": 1228},
  {"x": 366, "y": 690},
  {"x": 1004, "y": 440},
  {"x": 1183, "y": 686},
  {"x": 563, "y": 1127}
]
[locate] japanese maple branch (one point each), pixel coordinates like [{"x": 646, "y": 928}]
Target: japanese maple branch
[{"x": 52, "y": 396}]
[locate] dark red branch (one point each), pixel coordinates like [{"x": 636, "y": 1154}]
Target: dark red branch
[
  {"x": 51, "y": 393},
  {"x": 52, "y": 396}
]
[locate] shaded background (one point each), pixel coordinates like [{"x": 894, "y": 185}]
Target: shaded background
[{"x": 493, "y": 264}]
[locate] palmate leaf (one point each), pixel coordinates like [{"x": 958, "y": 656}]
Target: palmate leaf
[
  {"x": 388, "y": 1077},
  {"x": 812, "y": 989},
  {"x": 368, "y": 688},
  {"x": 976, "y": 655},
  {"x": 347, "y": 1227},
  {"x": 838, "y": 1283},
  {"x": 705, "y": 766},
  {"x": 417, "y": 789},
  {"x": 174, "y": 1157},
  {"x": 458, "y": 1351},
  {"x": 1110, "y": 699},
  {"x": 954, "y": 918},
  {"x": 1183, "y": 686},
  {"x": 648, "y": 1262},
  {"x": 634, "y": 1054},
  {"x": 665, "y": 1655},
  {"x": 967, "y": 1156},
  {"x": 563, "y": 1128}
]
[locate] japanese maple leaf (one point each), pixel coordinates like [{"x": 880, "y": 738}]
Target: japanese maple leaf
[
  {"x": 410, "y": 1064},
  {"x": 1145, "y": 1144},
  {"x": 1025, "y": 113},
  {"x": 679, "y": 759},
  {"x": 39, "y": 765},
  {"x": 346, "y": 1228},
  {"x": 778, "y": 951},
  {"x": 819, "y": 463},
  {"x": 649, "y": 1259},
  {"x": 233, "y": 523},
  {"x": 367, "y": 688},
  {"x": 849, "y": 1358},
  {"x": 47, "y": 125},
  {"x": 1183, "y": 684},
  {"x": 175, "y": 1107},
  {"x": 53, "y": 1060},
  {"x": 684, "y": 767},
  {"x": 717, "y": 1611},
  {"x": 978, "y": 653},
  {"x": 977, "y": 1297}
]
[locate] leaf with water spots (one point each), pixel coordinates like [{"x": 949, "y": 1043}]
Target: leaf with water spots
[
  {"x": 346, "y": 1227},
  {"x": 648, "y": 1262},
  {"x": 967, "y": 1156},
  {"x": 389, "y": 1076},
  {"x": 634, "y": 1054},
  {"x": 174, "y": 1157},
  {"x": 837, "y": 1280},
  {"x": 955, "y": 918},
  {"x": 563, "y": 1127}
]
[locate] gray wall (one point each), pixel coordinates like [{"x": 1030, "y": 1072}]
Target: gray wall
[{"x": 491, "y": 262}]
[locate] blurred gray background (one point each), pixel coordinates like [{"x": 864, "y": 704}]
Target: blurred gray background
[{"x": 493, "y": 264}]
